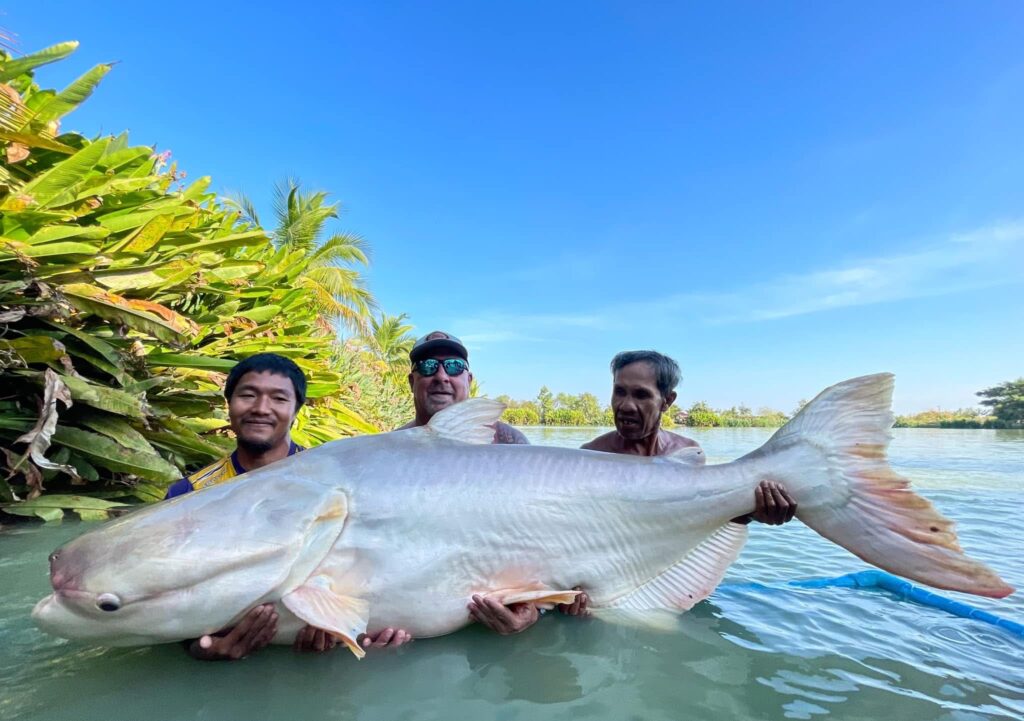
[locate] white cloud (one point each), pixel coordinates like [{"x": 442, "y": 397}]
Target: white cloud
[{"x": 985, "y": 257}]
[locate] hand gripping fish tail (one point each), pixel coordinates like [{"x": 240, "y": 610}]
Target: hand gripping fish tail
[{"x": 832, "y": 458}]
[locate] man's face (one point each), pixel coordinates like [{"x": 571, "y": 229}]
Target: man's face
[
  {"x": 432, "y": 393},
  {"x": 261, "y": 410},
  {"x": 636, "y": 401}
]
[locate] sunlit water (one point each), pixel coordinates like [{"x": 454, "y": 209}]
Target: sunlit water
[{"x": 772, "y": 653}]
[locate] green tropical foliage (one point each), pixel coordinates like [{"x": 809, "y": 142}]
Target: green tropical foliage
[
  {"x": 1006, "y": 401},
  {"x": 125, "y": 296},
  {"x": 330, "y": 262}
]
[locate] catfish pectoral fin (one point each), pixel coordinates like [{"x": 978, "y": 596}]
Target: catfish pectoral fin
[{"x": 318, "y": 604}]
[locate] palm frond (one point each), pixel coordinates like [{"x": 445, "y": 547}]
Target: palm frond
[{"x": 341, "y": 248}]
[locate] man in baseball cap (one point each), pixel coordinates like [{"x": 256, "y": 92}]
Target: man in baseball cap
[{"x": 440, "y": 376}]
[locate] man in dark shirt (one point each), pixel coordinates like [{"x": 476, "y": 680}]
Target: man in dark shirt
[{"x": 264, "y": 394}]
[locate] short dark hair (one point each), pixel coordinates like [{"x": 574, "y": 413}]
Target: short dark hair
[
  {"x": 269, "y": 363},
  {"x": 666, "y": 370}
]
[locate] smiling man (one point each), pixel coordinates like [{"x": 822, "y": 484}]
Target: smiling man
[
  {"x": 264, "y": 394},
  {"x": 643, "y": 388},
  {"x": 440, "y": 376}
]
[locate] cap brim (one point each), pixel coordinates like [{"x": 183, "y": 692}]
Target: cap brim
[{"x": 432, "y": 347}]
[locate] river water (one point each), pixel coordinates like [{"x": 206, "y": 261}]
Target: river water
[{"x": 746, "y": 653}]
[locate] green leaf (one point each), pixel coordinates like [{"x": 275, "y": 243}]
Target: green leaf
[
  {"x": 236, "y": 240},
  {"x": 121, "y": 220},
  {"x": 35, "y": 348},
  {"x": 143, "y": 316},
  {"x": 61, "y": 177},
  {"x": 262, "y": 314},
  {"x": 51, "y": 507},
  {"x": 187, "y": 360},
  {"x": 148, "y": 235},
  {"x": 51, "y": 233},
  {"x": 105, "y": 398},
  {"x": 72, "y": 96},
  {"x": 109, "y": 352},
  {"x": 27, "y": 63},
  {"x": 105, "y": 453},
  {"x": 37, "y": 140},
  {"x": 119, "y": 430},
  {"x": 47, "y": 250},
  {"x": 144, "y": 277},
  {"x": 198, "y": 188}
]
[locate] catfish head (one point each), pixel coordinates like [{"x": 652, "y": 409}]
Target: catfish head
[{"x": 192, "y": 565}]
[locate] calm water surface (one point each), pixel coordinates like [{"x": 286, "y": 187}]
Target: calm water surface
[{"x": 772, "y": 653}]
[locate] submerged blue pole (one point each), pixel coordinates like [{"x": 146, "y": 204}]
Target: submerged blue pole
[{"x": 907, "y": 591}]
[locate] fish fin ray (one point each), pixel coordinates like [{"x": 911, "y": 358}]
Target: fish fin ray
[
  {"x": 544, "y": 597},
  {"x": 318, "y": 604},
  {"x": 688, "y": 581},
  {"x": 471, "y": 421},
  {"x": 655, "y": 619},
  {"x": 859, "y": 501}
]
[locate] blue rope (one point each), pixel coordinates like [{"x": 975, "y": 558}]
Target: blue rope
[{"x": 904, "y": 590}]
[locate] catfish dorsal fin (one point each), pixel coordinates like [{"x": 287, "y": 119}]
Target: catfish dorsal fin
[{"x": 471, "y": 421}]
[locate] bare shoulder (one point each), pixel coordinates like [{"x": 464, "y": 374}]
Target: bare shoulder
[
  {"x": 609, "y": 443},
  {"x": 670, "y": 442}
]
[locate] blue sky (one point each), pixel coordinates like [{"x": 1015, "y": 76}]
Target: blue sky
[{"x": 779, "y": 195}]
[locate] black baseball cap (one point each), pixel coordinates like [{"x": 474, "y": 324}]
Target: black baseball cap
[{"x": 436, "y": 342}]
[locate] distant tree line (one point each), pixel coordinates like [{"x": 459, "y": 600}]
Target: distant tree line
[
  {"x": 1003, "y": 408},
  {"x": 564, "y": 409}
]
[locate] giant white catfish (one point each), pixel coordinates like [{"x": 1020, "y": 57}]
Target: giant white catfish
[{"x": 401, "y": 529}]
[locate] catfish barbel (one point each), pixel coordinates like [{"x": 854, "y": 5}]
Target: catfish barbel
[{"x": 402, "y": 529}]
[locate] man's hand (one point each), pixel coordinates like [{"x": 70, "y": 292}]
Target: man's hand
[
  {"x": 772, "y": 504},
  {"x": 314, "y": 640},
  {"x": 388, "y": 638},
  {"x": 252, "y": 633},
  {"x": 578, "y": 607},
  {"x": 505, "y": 620}
]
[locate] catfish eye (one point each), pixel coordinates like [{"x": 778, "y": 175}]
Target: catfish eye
[{"x": 108, "y": 602}]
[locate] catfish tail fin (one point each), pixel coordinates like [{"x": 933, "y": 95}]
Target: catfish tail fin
[{"x": 836, "y": 467}]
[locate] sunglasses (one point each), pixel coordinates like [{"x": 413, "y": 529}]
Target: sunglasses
[{"x": 452, "y": 366}]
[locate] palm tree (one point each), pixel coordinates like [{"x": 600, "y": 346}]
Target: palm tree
[
  {"x": 332, "y": 263},
  {"x": 389, "y": 340}
]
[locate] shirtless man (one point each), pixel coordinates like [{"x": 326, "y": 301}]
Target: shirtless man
[{"x": 643, "y": 388}]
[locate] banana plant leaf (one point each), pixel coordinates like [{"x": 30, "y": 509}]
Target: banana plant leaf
[
  {"x": 52, "y": 507},
  {"x": 72, "y": 96},
  {"x": 105, "y": 398},
  {"x": 119, "y": 430},
  {"x": 49, "y": 186},
  {"x": 143, "y": 316},
  {"x": 106, "y": 453},
  {"x": 19, "y": 66}
]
